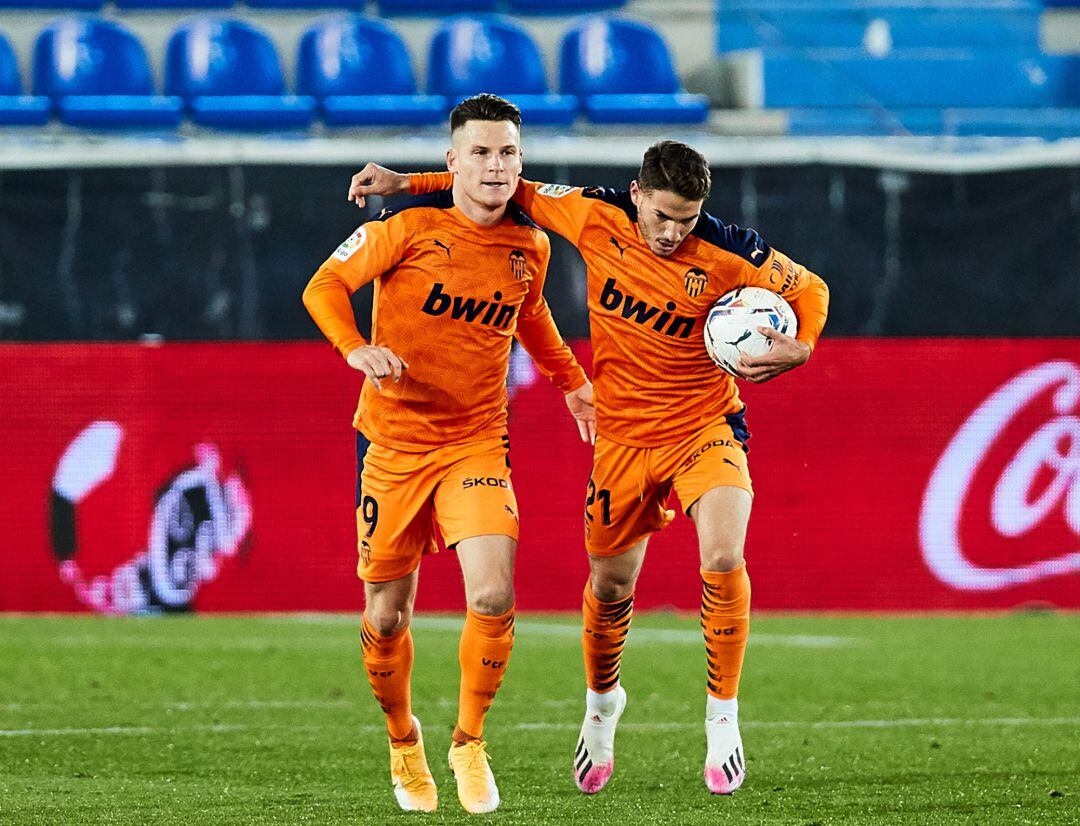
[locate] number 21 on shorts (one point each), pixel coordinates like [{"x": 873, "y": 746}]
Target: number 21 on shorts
[{"x": 603, "y": 496}]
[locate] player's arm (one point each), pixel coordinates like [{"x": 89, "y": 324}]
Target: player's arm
[
  {"x": 809, "y": 298},
  {"x": 373, "y": 249},
  {"x": 541, "y": 339},
  {"x": 562, "y": 209}
]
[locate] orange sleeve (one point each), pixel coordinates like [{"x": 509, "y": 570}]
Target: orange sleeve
[
  {"x": 375, "y": 248},
  {"x": 807, "y": 293},
  {"x": 540, "y": 337},
  {"x": 421, "y": 183},
  {"x": 561, "y": 208}
]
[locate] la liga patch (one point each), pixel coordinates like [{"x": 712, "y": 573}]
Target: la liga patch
[
  {"x": 555, "y": 190},
  {"x": 351, "y": 244}
]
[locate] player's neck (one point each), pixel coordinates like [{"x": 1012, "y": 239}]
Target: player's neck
[{"x": 478, "y": 213}]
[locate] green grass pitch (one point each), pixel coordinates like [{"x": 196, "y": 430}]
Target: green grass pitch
[{"x": 268, "y": 719}]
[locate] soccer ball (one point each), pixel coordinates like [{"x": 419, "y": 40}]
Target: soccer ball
[{"x": 731, "y": 326}]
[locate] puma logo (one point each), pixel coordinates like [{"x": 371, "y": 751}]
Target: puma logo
[
  {"x": 619, "y": 246},
  {"x": 443, "y": 247}
]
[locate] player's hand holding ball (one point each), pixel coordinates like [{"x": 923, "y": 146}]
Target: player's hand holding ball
[
  {"x": 785, "y": 354},
  {"x": 749, "y": 333},
  {"x": 377, "y": 363}
]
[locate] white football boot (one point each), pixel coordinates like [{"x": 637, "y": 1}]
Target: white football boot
[
  {"x": 594, "y": 758},
  {"x": 725, "y": 766}
]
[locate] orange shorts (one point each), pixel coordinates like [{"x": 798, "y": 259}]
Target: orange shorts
[
  {"x": 465, "y": 489},
  {"x": 629, "y": 486}
]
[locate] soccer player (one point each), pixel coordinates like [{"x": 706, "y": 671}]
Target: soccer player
[
  {"x": 667, "y": 418},
  {"x": 458, "y": 275}
]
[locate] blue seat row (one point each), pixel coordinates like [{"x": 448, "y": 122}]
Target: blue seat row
[
  {"x": 828, "y": 6},
  {"x": 926, "y": 79},
  {"x": 879, "y": 30},
  {"x": 881, "y": 67},
  {"x": 386, "y": 8},
  {"x": 1049, "y": 124},
  {"x": 351, "y": 70}
]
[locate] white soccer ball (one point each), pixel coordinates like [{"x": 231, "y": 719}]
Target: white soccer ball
[{"x": 731, "y": 326}]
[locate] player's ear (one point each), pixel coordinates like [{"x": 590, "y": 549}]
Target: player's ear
[
  {"x": 635, "y": 193},
  {"x": 451, "y": 160}
]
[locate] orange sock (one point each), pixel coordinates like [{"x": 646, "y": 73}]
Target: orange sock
[
  {"x": 484, "y": 652},
  {"x": 388, "y": 662},
  {"x": 604, "y": 630},
  {"x": 725, "y": 621}
]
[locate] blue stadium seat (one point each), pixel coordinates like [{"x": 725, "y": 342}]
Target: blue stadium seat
[
  {"x": 64, "y": 5},
  {"x": 563, "y": 6},
  {"x": 433, "y": 8},
  {"x": 353, "y": 5},
  {"x": 173, "y": 4},
  {"x": 228, "y": 74},
  {"x": 492, "y": 54},
  {"x": 359, "y": 71},
  {"x": 837, "y": 78},
  {"x": 622, "y": 71},
  {"x": 17, "y": 109},
  {"x": 97, "y": 73}
]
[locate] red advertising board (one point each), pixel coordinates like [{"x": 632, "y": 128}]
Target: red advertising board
[{"x": 889, "y": 475}]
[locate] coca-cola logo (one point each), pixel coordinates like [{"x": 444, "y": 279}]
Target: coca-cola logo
[{"x": 1039, "y": 482}]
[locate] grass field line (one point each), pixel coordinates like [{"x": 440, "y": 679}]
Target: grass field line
[
  {"x": 644, "y": 635},
  {"x": 53, "y": 732},
  {"x": 912, "y": 722},
  {"x": 640, "y": 636},
  {"x": 185, "y": 705}
]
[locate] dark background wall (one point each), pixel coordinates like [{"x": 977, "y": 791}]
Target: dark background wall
[{"x": 190, "y": 253}]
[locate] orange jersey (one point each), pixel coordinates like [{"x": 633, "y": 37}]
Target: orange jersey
[
  {"x": 655, "y": 383},
  {"x": 449, "y": 297}
]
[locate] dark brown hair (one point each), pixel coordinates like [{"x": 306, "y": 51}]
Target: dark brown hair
[
  {"x": 675, "y": 167},
  {"x": 484, "y": 107}
]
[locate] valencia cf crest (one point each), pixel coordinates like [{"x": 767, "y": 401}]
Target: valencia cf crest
[
  {"x": 518, "y": 264},
  {"x": 695, "y": 281}
]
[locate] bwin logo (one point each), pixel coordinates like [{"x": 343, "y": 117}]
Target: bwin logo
[
  {"x": 640, "y": 312},
  {"x": 470, "y": 309}
]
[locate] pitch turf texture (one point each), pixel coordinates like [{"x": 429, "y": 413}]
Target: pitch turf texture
[{"x": 190, "y": 720}]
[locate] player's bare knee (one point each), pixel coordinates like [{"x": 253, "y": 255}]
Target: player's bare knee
[
  {"x": 388, "y": 620},
  {"x": 612, "y": 587},
  {"x": 491, "y": 601},
  {"x": 721, "y": 558}
]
